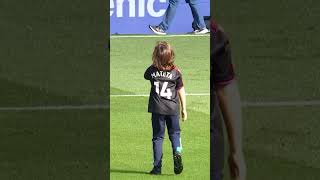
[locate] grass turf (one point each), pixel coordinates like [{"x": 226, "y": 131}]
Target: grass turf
[
  {"x": 53, "y": 144},
  {"x": 47, "y": 46},
  {"x": 53, "y": 53},
  {"x": 131, "y": 132},
  {"x": 275, "y": 51}
]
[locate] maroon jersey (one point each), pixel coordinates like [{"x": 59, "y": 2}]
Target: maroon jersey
[
  {"x": 165, "y": 85},
  {"x": 220, "y": 58},
  {"x": 221, "y": 74}
]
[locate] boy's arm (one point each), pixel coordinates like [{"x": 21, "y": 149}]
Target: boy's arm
[
  {"x": 183, "y": 101},
  {"x": 229, "y": 99},
  {"x": 230, "y": 105}
]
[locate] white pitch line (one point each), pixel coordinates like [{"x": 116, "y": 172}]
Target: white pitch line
[
  {"x": 147, "y": 95},
  {"x": 61, "y": 107},
  {"x": 101, "y": 106},
  {"x": 281, "y": 103},
  {"x": 244, "y": 103},
  {"x": 158, "y": 36}
]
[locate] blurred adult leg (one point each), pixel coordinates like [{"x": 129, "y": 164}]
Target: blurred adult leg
[
  {"x": 216, "y": 142},
  {"x": 196, "y": 13},
  {"x": 169, "y": 15}
]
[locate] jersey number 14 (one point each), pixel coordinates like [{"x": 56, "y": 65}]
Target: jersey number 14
[{"x": 165, "y": 92}]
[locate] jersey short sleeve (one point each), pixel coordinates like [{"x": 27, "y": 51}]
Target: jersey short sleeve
[
  {"x": 179, "y": 82},
  {"x": 220, "y": 58},
  {"x": 147, "y": 74}
]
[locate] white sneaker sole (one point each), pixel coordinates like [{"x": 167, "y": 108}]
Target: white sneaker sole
[
  {"x": 156, "y": 32},
  {"x": 204, "y": 31}
]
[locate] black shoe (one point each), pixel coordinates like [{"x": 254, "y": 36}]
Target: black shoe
[
  {"x": 157, "y": 30},
  {"x": 178, "y": 167},
  {"x": 156, "y": 171}
]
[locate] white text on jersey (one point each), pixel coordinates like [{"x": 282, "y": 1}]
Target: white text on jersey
[{"x": 161, "y": 74}]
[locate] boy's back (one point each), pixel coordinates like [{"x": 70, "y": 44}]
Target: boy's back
[
  {"x": 166, "y": 91},
  {"x": 164, "y": 87}
]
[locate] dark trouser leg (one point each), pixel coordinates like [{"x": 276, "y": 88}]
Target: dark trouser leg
[
  {"x": 173, "y": 126},
  {"x": 158, "y": 129},
  {"x": 216, "y": 144}
]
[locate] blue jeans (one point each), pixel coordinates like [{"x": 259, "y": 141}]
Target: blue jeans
[
  {"x": 171, "y": 11},
  {"x": 159, "y": 123}
]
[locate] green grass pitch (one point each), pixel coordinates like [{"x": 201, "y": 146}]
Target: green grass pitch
[
  {"x": 275, "y": 48},
  {"x": 53, "y": 54},
  {"x": 131, "y": 133}
]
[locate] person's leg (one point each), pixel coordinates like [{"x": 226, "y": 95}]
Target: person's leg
[
  {"x": 196, "y": 13},
  {"x": 174, "y": 136},
  {"x": 169, "y": 15},
  {"x": 158, "y": 129},
  {"x": 174, "y": 133},
  {"x": 216, "y": 142}
]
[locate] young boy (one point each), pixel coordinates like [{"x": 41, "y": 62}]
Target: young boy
[{"x": 166, "y": 91}]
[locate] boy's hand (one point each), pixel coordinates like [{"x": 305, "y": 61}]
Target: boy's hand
[
  {"x": 184, "y": 115},
  {"x": 183, "y": 107},
  {"x": 237, "y": 166}
]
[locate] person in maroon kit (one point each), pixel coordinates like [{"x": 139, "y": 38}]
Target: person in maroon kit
[{"x": 226, "y": 107}]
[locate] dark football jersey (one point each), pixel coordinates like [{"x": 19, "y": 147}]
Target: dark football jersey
[
  {"x": 163, "y": 97},
  {"x": 220, "y": 58},
  {"x": 221, "y": 74},
  {"x": 221, "y": 65}
]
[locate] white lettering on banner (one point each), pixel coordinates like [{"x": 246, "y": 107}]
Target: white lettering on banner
[
  {"x": 151, "y": 10},
  {"x": 118, "y": 6},
  {"x": 141, "y": 8},
  {"x": 111, "y": 7},
  {"x": 132, "y": 8}
]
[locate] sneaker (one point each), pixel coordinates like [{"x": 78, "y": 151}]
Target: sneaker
[
  {"x": 155, "y": 171},
  {"x": 201, "y": 31},
  {"x": 157, "y": 30},
  {"x": 177, "y": 160}
]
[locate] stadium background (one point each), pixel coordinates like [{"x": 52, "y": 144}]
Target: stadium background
[
  {"x": 130, "y": 55},
  {"x": 134, "y": 16}
]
